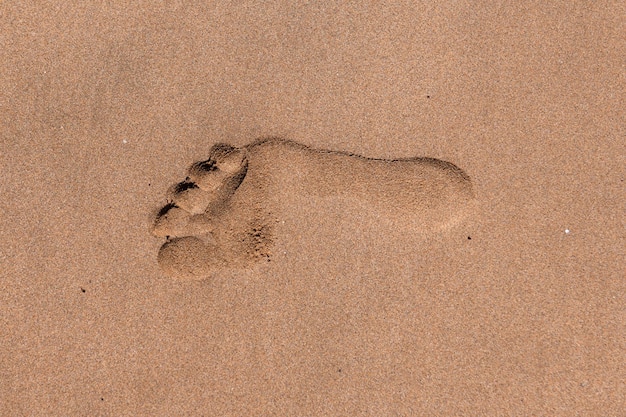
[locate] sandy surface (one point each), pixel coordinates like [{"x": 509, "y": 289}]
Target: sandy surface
[{"x": 516, "y": 310}]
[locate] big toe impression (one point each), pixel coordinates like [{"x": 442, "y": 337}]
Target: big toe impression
[{"x": 187, "y": 258}]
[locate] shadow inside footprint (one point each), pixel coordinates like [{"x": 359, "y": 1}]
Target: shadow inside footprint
[{"x": 224, "y": 214}]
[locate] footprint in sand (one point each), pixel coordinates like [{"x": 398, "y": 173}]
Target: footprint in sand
[{"x": 226, "y": 212}]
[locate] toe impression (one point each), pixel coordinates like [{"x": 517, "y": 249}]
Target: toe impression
[
  {"x": 172, "y": 221},
  {"x": 225, "y": 162},
  {"x": 206, "y": 176},
  {"x": 187, "y": 258},
  {"x": 188, "y": 196},
  {"x": 232, "y": 162}
]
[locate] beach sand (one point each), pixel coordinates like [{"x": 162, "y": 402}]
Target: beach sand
[{"x": 436, "y": 227}]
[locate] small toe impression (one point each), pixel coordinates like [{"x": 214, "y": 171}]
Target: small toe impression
[
  {"x": 219, "y": 151},
  {"x": 172, "y": 221},
  {"x": 206, "y": 175},
  {"x": 225, "y": 161},
  {"x": 187, "y": 258},
  {"x": 188, "y": 196},
  {"x": 231, "y": 162}
]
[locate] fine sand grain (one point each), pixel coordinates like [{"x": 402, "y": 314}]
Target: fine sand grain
[{"x": 162, "y": 253}]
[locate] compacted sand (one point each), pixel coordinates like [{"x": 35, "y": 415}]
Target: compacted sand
[
  {"x": 312, "y": 209},
  {"x": 227, "y": 212}
]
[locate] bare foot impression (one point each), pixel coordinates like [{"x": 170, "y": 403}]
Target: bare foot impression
[{"x": 225, "y": 214}]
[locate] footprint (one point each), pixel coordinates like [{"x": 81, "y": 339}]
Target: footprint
[{"x": 225, "y": 213}]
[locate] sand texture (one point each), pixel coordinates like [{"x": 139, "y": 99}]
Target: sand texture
[{"x": 312, "y": 208}]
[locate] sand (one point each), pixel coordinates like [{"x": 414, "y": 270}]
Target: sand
[
  {"x": 436, "y": 229},
  {"x": 229, "y": 212}
]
